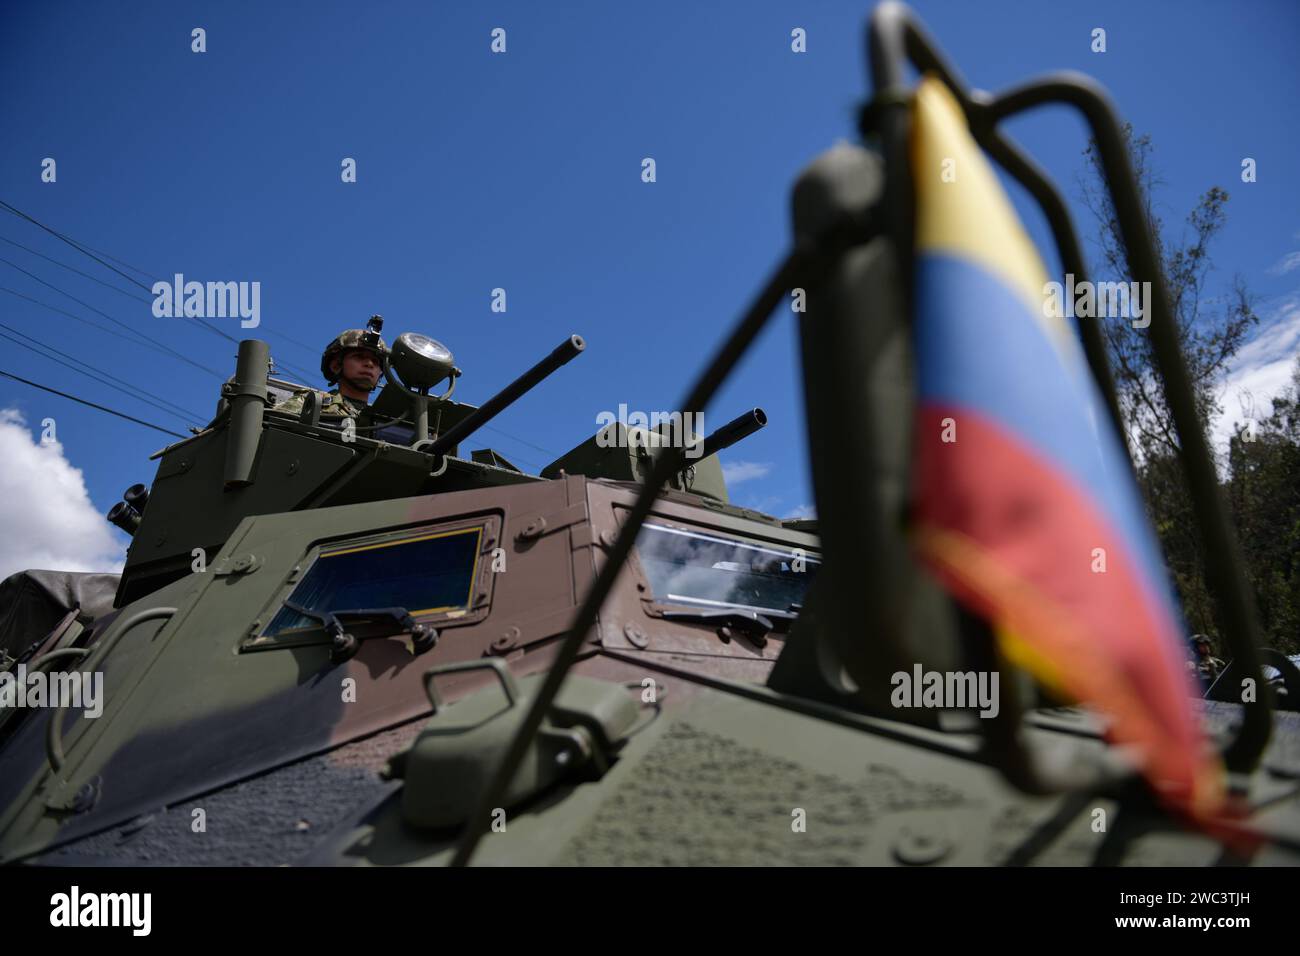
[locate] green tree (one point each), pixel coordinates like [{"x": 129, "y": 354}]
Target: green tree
[
  {"x": 1264, "y": 493},
  {"x": 1211, "y": 328}
]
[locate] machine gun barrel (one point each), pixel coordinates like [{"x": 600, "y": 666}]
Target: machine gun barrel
[
  {"x": 735, "y": 430},
  {"x": 566, "y": 351}
]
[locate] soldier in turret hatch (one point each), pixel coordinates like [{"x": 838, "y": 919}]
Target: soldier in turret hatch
[
  {"x": 353, "y": 362},
  {"x": 1207, "y": 666}
]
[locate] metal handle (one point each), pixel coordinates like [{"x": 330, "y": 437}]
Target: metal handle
[
  {"x": 54, "y": 729},
  {"x": 508, "y": 684}
]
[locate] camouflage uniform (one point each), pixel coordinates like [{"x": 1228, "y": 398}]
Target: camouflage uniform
[
  {"x": 332, "y": 404},
  {"x": 1210, "y": 668},
  {"x": 1207, "y": 666}
]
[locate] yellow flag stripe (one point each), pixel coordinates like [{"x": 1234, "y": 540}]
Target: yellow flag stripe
[{"x": 961, "y": 208}]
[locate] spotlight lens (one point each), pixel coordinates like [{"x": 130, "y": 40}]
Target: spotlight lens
[
  {"x": 428, "y": 347},
  {"x": 420, "y": 361}
]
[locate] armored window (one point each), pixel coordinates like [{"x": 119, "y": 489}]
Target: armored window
[
  {"x": 686, "y": 567},
  {"x": 427, "y": 574}
]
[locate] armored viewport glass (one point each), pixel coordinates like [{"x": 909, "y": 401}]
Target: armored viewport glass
[
  {"x": 429, "y": 574},
  {"x": 689, "y": 568}
]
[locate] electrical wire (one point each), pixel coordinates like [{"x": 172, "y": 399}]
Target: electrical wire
[
  {"x": 140, "y": 337},
  {"x": 544, "y": 451},
  {"x": 80, "y": 248},
  {"x": 103, "y": 328},
  {"x": 96, "y": 256},
  {"x": 102, "y": 408},
  {"x": 292, "y": 341},
  {"x": 85, "y": 250},
  {"x": 94, "y": 375},
  {"x": 310, "y": 350},
  {"x": 142, "y": 272},
  {"x": 87, "y": 275},
  {"x": 148, "y": 397}
]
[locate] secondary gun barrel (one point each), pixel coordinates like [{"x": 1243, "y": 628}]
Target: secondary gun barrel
[
  {"x": 734, "y": 431},
  {"x": 125, "y": 517},
  {"x": 137, "y": 496},
  {"x": 565, "y": 352}
]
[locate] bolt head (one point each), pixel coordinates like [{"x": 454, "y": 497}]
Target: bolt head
[{"x": 921, "y": 843}]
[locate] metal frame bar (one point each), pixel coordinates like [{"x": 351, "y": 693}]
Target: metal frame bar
[
  {"x": 896, "y": 38},
  {"x": 93, "y": 657}
]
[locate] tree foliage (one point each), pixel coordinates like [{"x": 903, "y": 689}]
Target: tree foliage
[
  {"x": 1262, "y": 484},
  {"x": 1264, "y": 494},
  {"x": 1210, "y": 328}
]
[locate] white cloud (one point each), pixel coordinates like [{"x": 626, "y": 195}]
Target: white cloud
[
  {"x": 1260, "y": 370},
  {"x": 1285, "y": 264},
  {"x": 48, "y": 518},
  {"x": 734, "y": 472},
  {"x": 801, "y": 511}
]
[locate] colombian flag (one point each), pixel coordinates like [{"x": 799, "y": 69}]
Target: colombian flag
[{"x": 1024, "y": 503}]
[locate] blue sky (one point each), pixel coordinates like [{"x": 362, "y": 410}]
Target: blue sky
[{"x": 522, "y": 171}]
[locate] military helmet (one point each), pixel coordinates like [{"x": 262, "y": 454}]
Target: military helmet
[{"x": 367, "y": 338}]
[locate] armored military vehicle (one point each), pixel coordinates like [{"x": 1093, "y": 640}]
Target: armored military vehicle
[{"x": 359, "y": 644}]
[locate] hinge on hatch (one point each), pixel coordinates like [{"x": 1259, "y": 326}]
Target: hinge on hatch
[{"x": 245, "y": 563}]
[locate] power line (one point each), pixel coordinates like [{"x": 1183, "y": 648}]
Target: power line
[
  {"x": 85, "y": 250},
  {"x": 145, "y": 396},
  {"x": 90, "y": 252},
  {"x": 292, "y": 341},
  {"x": 24, "y": 339},
  {"x": 102, "y": 408},
  {"x": 64, "y": 265},
  {"x": 544, "y": 451},
  {"x": 305, "y": 376},
  {"x": 82, "y": 249},
  {"x": 310, "y": 350},
  {"x": 141, "y": 337},
  {"x": 147, "y": 275},
  {"x": 103, "y": 328},
  {"x": 93, "y": 375}
]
